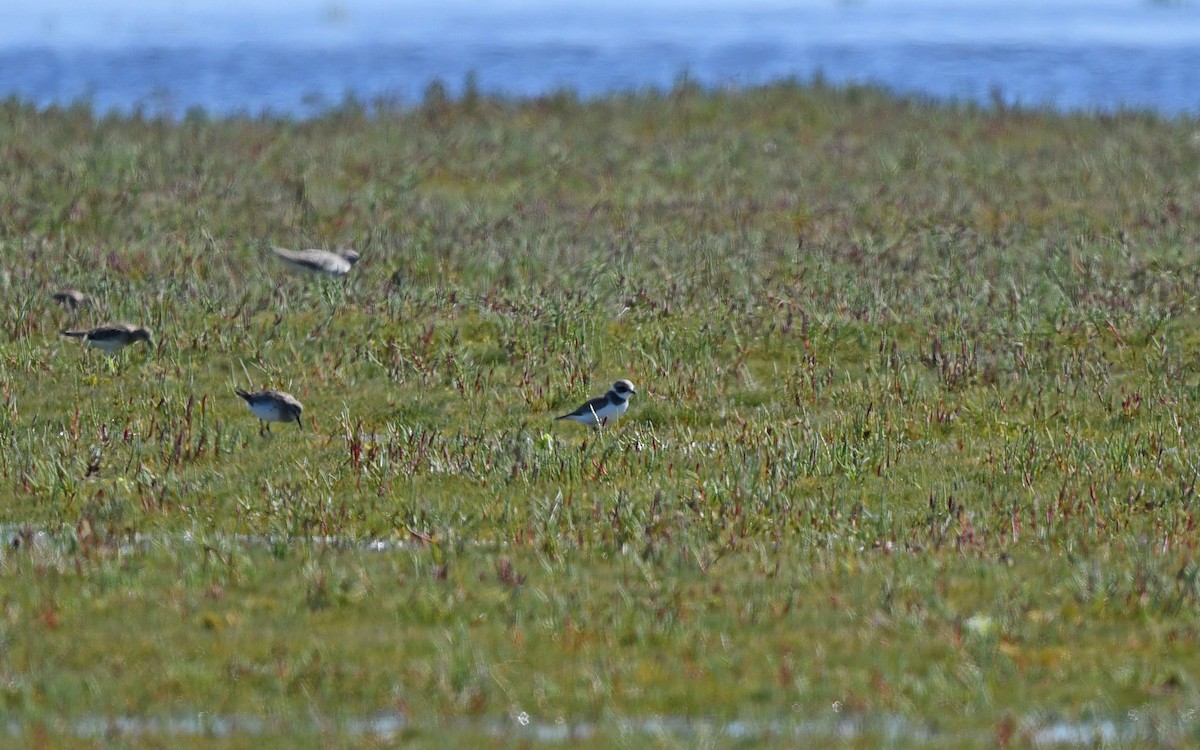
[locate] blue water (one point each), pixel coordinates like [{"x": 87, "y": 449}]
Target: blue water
[{"x": 298, "y": 57}]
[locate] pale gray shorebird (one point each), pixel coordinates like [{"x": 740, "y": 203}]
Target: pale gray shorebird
[
  {"x": 272, "y": 406},
  {"x": 318, "y": 261},
  {"x": 601, "y": 410},
  {"x": 113, "y": 337},
  {"x": 71, "y": 299}
]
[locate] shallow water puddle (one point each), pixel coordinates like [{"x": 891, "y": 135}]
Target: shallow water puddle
[
  {"x": 385, "y": 726},
  {"x": 521, "y": 726}
]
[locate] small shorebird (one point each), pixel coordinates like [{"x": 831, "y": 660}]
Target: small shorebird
[
  {"x": 272, "y": 406},
  {"x": 112, "y": 338},
  {"x": 318, "y": 261},
  {"x": 71, "y": 299},
  {"x": 603, "y": 409}
]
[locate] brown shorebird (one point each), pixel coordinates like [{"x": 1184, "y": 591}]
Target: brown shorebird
[
  {"x": 112, "y": 338},
  {"x": 272, "y": 406},
  {"x": 71, "y": 298},
  {"x": 318, "y": 261}
]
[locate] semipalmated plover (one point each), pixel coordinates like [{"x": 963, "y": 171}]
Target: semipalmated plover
[
  {"x": 113, "y": 337},
  {"x": 272, "y": 406},
  {"x": 318, "y": 261},
  {"x": 603, "y": 409}
]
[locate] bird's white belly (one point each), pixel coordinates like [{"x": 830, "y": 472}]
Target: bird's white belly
[
  {"x": 606, "y": 413},
  {"x": 268, "y": 412},
  {"x": 108, "y": 346},
  {"x": 334, "y": 265}
]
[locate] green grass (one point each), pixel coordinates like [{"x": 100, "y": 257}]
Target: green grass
[{"x": 914, "y": 445}]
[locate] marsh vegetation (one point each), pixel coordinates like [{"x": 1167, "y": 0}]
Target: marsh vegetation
[{"x": 914, "y": 439}]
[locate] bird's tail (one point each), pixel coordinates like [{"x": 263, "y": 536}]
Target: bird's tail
[
  {"x": 74, "y": 334},
  {"x": 562, "y": 417}
]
